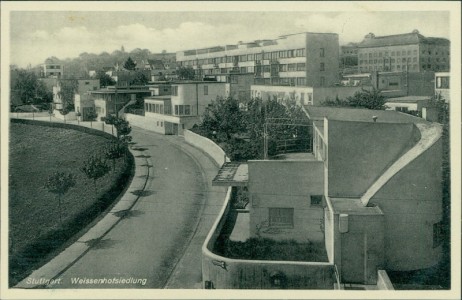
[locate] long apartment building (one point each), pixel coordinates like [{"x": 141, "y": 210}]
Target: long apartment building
[
  {"x": 411, "y": 52},
  {"x": 302, "y": 59}
]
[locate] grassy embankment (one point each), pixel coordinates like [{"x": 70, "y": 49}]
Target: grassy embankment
[{"x": 35, "y": 233}]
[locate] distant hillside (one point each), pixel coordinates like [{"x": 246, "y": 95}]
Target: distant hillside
[{"x": 79, "y": 66}]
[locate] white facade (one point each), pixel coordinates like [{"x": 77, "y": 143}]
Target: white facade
[
  {"x": 302, "y": 95},
  {"x": 183, "y": 109},
  {"x": 442, "y": 86}
]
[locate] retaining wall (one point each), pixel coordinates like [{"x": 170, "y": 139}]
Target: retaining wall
[
  {"x": 147, "y": 123},
  {"x": 206, "y": 145}
]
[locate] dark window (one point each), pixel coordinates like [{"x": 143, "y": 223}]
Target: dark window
[
  {"x": 175, "y": 90},
  {"x": 321, "y": 67},
  {"x": 321, "y": 52},
  {"x": 281, "y": 217},
  {"x": 316, "y": 200},
  {"x": 206, "y": 90}
]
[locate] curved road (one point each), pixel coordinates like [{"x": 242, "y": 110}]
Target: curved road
[{"x": 174, "y": 213}]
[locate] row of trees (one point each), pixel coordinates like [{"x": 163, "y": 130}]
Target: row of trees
[
  {"x": 241, "y": 130},
  {"x": 95, "y": 167}
]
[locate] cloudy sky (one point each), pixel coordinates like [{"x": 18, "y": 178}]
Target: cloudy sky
[{"x": 36, "y": 35}]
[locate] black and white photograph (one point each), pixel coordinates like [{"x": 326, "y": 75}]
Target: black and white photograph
[{"x": 207, "y": 149}]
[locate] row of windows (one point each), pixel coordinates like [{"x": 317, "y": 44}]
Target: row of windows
[
  {"x": 175, "y": 90},
  {"x": 156, "y": 108},
  {"x": 413, "y": 67},
  {"x": 402, "y": 53},
  {"x": 182, "y": 110},
  {"x": 291, "y": 81},
  {"x": 249, "y": 57},
  {"x": 386, "y": 53},
  {"x": 404, "y": 59}
]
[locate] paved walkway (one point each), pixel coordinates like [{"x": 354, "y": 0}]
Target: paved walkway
[{"x": 153, "y": 236}]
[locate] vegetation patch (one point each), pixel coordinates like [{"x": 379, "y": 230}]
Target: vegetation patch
[
  {"x": 40, "y": 224},
  {"x": 268, "y": 249}
]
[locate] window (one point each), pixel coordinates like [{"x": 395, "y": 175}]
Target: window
[
  {"x": 437, "y": 234},
  {"x": 322, "y": 81},
  {"x": 392, "y": 53},
  {"x": 321, "y": 67},
  {"x": 442, "y": 82},
  {"x": 300, "y": 52},
  {"x": 301, "y": 67},
  {"x": 182, "y": 110},
  {"x": 282, "y": 68},
  {"x": 316, "y": 200},
  {"x": 175, "y": 90},
  {"x": 301, "y": 81},
  {"x": 402, "y": 109},
  {"x": 283, "y": 217},
  {"x": 292, "y": 67},
  {"x": 321, "y": 52},
  {"x": 206, "y": 89}
]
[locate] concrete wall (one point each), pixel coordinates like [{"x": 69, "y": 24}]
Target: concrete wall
[
  {"x": 206, "y": 145},
  {"x": 226, "y": 273},
  {"x": 148, "y": 123},
  {"x": 359, "y": 152},
  {"x": 363, "y": 256},
  {"x": 412, "y": 203},
  {"x": 330, "y": 44},
  {"x": 383, "y": 281},
  {"x": 286, "y": 184}
]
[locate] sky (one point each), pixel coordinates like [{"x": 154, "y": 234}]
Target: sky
[{"x": 37, "y": 35}]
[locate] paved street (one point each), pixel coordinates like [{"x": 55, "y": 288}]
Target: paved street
[{"x": 159, "y": 240}]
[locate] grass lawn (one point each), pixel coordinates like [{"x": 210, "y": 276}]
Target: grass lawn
[{"x": 34, "y": 229}]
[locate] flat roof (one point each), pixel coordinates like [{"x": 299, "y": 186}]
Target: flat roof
[
  {"x": 232, "y": 174},
  {"x": 359, "y": 115},
  {"x": 158, "y": 98},
  {"x": 119, "y": 91}
]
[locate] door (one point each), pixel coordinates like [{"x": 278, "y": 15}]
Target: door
[{"x": 175, "y": 129}]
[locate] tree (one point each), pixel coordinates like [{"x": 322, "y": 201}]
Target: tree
[
  {"x": 68, "y": 88},
  {"x": 110, "y": 120},
  {"x": 139, "y": 78},
  {"x": 94, "y": 168},
  {"x": 64, "y": 112},
  {"x": 370, "y": 99},
  {"x": 104, "y": 79},
  {"x": 91, "y": 115},
  {"x": 186, "y": 73},
  {"x": 123, "y": 128},
  {"x": 59, "y": 184},
  {"x": 24, "y": 86},
  {"x": 115, "y": 150},
  {"x": 129, "y": 64}
]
